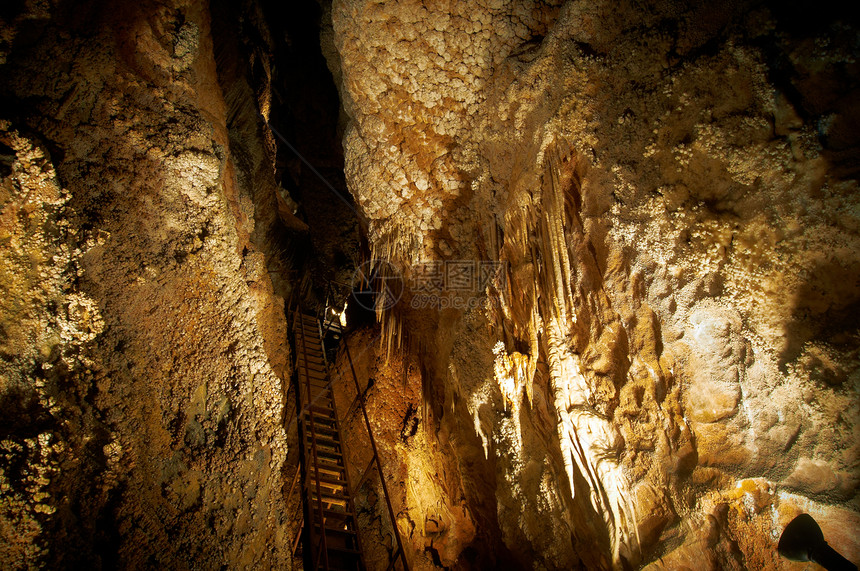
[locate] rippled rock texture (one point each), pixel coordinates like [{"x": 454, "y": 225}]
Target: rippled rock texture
[
  {"x": 628, "y": 236},
  {"x": 668, "y": 372}
]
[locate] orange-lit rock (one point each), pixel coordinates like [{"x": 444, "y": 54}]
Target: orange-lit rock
[
  {"x": 660, "y": 372},
  {"x": 676, "y": 224}
]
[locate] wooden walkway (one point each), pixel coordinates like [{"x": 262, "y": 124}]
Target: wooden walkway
[
  {"x": 331, "y": 535},
  {"x": 329, "y": 538}
]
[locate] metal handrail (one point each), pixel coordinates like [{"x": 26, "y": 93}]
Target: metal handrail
[
  {"x": 376, "y": 459},
  {"x": 324, "y": 325}
]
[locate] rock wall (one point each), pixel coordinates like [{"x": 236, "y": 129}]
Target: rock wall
[
  {"x": 142, "y": 345},
  {"x": 662, "y": 374},
  {"x": 667, "y": 372}
]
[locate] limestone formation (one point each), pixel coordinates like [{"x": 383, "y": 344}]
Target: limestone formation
[
  {"x": 143, "y": 354},
  {"x": 626, "y": 240},
  {"x": 673, "y": 192}
]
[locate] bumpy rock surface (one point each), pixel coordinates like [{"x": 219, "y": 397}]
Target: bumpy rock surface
[
  {"x": 673, "y": 192},
  {"x": 142, "y": 347},
  {"x": 628, "y": 236}
]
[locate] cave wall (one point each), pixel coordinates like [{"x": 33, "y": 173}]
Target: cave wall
[
  {"x": 664, "y": 374},
  {"x": 143, "y": 342},
  {"x": 667, "y": 374}
]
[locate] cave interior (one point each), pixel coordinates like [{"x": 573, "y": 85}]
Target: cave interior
[{"x": 498, "y": 284}]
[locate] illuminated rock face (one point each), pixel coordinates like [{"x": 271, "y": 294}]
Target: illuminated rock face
[
  {"x": 142, "y": 348},
  {"x": 662, "y": 376},
  {"x": 674, "y": 194}
]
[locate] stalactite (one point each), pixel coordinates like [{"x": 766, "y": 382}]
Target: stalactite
[
  {"x": 541, "y": 238},
  {"x": 513, "y": 372},
  {"x": 585, "y": 435}
]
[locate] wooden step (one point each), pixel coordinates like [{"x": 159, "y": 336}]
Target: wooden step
[
  {"x": 312, "y": 355},
  {"x": 312, "y": 374},
  {"x": 336, "y": 517},
  {"x": 333, "y": 530},
  {"x": 328, "y": 501},
  {"x": 316, "y": 397},
  {"x": 321, "y": 440},
  {"x": 336, "y": 524},
  {"x": 319, "y": 418},
  {"x": 320, "y": 393},
  {"x": 319, "y": 422},
  {"x": 325, "y": 429},
  {"x": 327, "y": 446},
  {"x": 324, "y": 443},
  {"x": 325, "y": 440},
  {"x": 307, "y": 335},
  {"x": 322, "y": 450},
  {"x": 320, "y": 386},
  {"x": 332, "y": 488},
  {"x": 321, "y": 382},
  {"x": 335, "y": 513},
  {"x": 324, "y": 464},
  {"x": 317, "y": 387},
  {"x": 327, "y": 479},
  {"x": 310, "y": 329},
  {"x": 321, "y": 407},
  {"x": 328, "y": 504},
  {"x": 327, "y": 496},
  {"x": 331, "y": 470},
  {"x": 326, "y": 411},
  {"x": 319, "y": 397},
  {"x": 324, "y": 432},
  {"x": 328, "y": 454},
  {"x": 316, "y": 394},
  {"x": 325, "y": 456}
]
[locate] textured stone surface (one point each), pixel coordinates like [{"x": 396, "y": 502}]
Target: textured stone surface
[
  {"x": 666, "y": 374},
  {"x": 143, "y": 349},
  {"x": 420, "y": 471},
  {"x": 674, "y": 193}
]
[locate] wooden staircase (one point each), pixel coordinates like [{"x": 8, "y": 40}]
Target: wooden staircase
[{"x": 330, "y": 533}]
